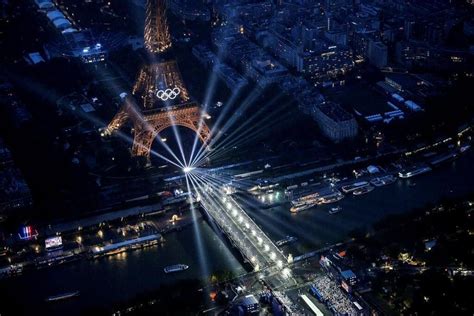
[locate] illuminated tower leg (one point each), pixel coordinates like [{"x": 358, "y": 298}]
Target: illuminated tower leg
[{"x": 142, "y": 143}]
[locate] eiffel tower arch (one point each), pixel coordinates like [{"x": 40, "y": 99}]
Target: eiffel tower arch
[
  {"x": 188, "y": 115},
  {"x": 148, "y": 124}
]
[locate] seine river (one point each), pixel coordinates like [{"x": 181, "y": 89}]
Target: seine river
[{"x": 108, "y": 281}]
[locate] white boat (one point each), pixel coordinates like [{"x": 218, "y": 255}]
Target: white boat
[
  {"x": 381, "y": 181},
  {"x": 335, "y": 210},
  {"x": 302, "y": 206},
  {"x": 62, "y": 296},
  {"x": 176, "y": 268},
  {"x": 412, "y": 173},
  {"x": 286, "y": 240},
  {"x": 331, "y": 198},
  {"x": 351, "y": 187},
  {"x": 363, "y": 190}
]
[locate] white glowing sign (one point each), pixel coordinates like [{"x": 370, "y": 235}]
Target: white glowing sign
[{"x": 168, "y": 94}]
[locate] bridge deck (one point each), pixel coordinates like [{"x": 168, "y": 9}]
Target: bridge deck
[{"x": 243, "y": 232}]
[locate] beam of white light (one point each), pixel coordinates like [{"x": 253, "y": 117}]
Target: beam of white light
[
  {"x": 246, "y": 126},
  {"x": 246, "y": 103},
  {"x": 244, "y": 131},
  {"x": 161, "y": 142},
  {"x": 228, "y": 105},
  {"x": 210, "y": 90},
  {"x": 196, "y": 138},
  {"x": 137, "y": 115},
  {"x": 252, "y": 119},
  {"x": 116, "y": 90},
  {"x": 222, "y": 115},
  {"x": 217, "y": 182},
  {"x": 198, "y": 237},
  {"x": 245, "y": 137},
  {"x": 177, "y": 136},
  {"x": 237, "y": 220},
  {"x": 210, "y": 197}
]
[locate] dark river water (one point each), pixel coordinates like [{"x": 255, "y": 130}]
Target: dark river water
[{"x": 108, "y": 281}]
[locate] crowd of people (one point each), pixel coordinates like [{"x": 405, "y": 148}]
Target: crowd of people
[{"x": 334, "y": 297}]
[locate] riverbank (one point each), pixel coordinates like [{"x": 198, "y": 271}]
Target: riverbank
[{"x": 115, "y": 279}]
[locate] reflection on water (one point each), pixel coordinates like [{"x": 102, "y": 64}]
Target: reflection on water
[
  {"x": 316, "y": 228},
  {"x": 113, "y": 279},
  {"x": 109, "y": 280}
]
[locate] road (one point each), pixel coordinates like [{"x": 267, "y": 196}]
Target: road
[{"x": 250, "y": 240}]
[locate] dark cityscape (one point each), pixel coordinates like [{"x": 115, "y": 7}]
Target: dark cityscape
[{"x": 236, "y": 157}]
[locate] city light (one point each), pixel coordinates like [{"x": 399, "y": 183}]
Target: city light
[{"x": 253, "y": 122}]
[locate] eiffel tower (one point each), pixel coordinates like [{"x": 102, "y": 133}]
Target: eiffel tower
[
  {"x": 157, "y": 37},
  {"x": 159, "y": 91}
]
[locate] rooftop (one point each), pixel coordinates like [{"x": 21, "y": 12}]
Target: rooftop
[{"x": 334, "y": 111}]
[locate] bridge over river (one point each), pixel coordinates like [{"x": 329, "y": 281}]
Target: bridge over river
[{"x": 242, "y": 231}]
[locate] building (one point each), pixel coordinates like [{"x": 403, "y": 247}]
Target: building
[
  {"x": 189, "y": 10},
  {"x": 248, "y": 305},
  {"x": 286, "y": 50},
  {"x": 349, "y": 277},
  {"x": 82, "y": 45},
  {"x": 205, "y": 56},
  {"x": 337, "y": 37},
  {"x": 326, "y": 63},
  {"x": 14, "y": 191},
  {"x": 72, "y": 41},
  {"x": 11, "y": 107},
  {"x": 378, "y": 54},
  {"x": 44, "y": 4},
  {"x": 231, "y": 78},
  {"x": 266, "y": 71},
  {"x": 334, "y": 121}
]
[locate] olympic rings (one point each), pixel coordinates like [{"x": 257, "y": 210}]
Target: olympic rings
[{"x": 168, "y": 94}]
